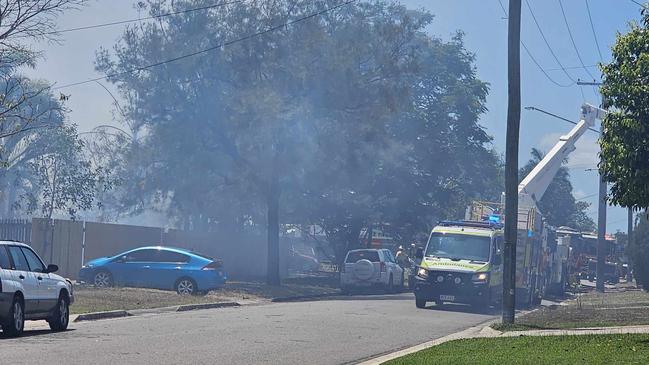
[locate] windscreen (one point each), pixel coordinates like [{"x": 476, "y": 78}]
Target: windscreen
[
  {"x": 459, "y": 246},
  {"x": 355, "y": 256}
]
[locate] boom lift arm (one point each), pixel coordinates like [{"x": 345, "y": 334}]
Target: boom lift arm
[{"x": 534, "y": 185}]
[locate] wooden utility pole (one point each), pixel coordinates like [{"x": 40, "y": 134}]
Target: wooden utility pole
[
  {"x": 629, "y": 240},
  {"x": 601, "y": 220},
  {"x": 601, "y": 235},
  {"x": 511, "y": 159}
]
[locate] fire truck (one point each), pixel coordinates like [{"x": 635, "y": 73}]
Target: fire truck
[{"x": 462, "y": 261}]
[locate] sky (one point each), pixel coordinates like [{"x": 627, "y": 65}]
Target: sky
[{"x": 484, "y": 25}]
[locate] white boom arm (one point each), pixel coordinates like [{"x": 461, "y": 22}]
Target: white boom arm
[{"x": 534, "y": 185}]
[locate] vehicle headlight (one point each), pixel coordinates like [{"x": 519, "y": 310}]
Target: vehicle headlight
[
  {"x": 480, "y": 277},
  {"x": 422, "y": 273}
]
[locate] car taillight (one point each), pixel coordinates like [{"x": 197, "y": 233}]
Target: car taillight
[
  {"x": 383, "y": 267},
  {"x": 213, "y": 265}
]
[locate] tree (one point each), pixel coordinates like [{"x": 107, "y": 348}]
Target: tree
[
  {"x": 624, "y": 147},
  {"x": 638, "y": 251},
  {"x": 62, "y": 180},
  {"x": 340, "y": 120},
  {"x": 23, "y": 22},
  {"x": 558, "y": 205}
]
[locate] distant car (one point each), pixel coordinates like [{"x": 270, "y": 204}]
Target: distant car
[
  {"x": 302, "y": 262},
  {"x": 29, "y": 290},
  {"x": 371, "y": 268},
  {"x": 156, "y": 267}
]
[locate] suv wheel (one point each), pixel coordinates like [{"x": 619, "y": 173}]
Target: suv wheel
[
  {"x": 61, "y": 317},
  {"x": 420, "y": 303},
  {"x": 15, "y": 323}
]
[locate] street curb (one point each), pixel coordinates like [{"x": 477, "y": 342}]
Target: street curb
[
  {"x": 102, "y": 315},
  {"x": 467, "y": 333},
  {"x": 94, "y": 316},
  {"x": 191, "y": 307},
  {"x": 300, "y": 298}
]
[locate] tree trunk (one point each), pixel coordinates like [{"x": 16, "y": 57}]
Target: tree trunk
[{"x": 272, "y": 276}]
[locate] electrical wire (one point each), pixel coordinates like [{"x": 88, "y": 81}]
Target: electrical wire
[
  {"x": 634, "y": 1},
  {"x": 592, "y": 28},
  {"x": 572, "y": 40},
  {"x": 209, "y": 49},
  {"x": 558, "y": 117},
  {"x": 534, "y": 59},
  {"x": 207, "y": 7},
  {"x": 587, "y": 196},
  {"x": 570, "y": 68},
  {"x": 547, "y": 43}
]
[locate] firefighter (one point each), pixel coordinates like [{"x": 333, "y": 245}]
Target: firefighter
[{"x": 402, "y": 258}]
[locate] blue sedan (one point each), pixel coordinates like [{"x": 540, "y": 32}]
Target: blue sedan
[{"x": 157, "y": 267}]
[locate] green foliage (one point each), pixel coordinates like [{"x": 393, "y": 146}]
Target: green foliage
[
  {"x": 639, "y": 250},
  {"x": 625, "y": 141},
  {"x": 558, "y": 205},
  {"x": 64, "y": 181}
]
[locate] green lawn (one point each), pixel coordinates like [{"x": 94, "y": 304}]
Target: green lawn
[{"x": 584, "y": 349}]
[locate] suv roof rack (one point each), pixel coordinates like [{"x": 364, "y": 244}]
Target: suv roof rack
[{"x": 476, "y": 224}]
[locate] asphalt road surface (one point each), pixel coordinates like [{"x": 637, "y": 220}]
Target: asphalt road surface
[{"x": 322, "y": 332}]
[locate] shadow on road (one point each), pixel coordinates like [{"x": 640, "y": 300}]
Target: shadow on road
[
  {"x": 462, "y": 308},
  {"x": 34, "y": 333}
]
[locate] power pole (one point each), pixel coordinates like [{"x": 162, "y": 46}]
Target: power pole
[
  {"x": 629, "y": 237},
  {"x": 511, "y": 159},
  {"x": 601, "y": 221},
  {"x": 601, "y": 234}
]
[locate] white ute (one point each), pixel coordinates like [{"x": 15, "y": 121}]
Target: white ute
[
  {"x": 29, "y": 290},
  {"x": 371, "y": 267}
]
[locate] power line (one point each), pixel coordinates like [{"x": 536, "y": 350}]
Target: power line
[
  {"x": 634, "y": 1},
  {"x": 544, "y": 71},
  {"x": 209, "y": 49},
  {"x": 570, "y": 68},
  {"x": 587, "y": 196},
  {"x": 572, "y": 40},
  {"x": 558, "y": 117},
  {"x": 592, "y": 27},
  {"x": 547, "y": 43},
  {"x": 207, "y": 7}
]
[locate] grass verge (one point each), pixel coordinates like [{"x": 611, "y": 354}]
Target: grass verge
[
  {"x": 615, "y": 308},
  {"x": 585, "y": 349},
  {"x": 90, "y": 299}
]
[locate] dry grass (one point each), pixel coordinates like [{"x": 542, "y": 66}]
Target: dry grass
[
  {"x": 90, "y": 299},
  {"x": 614, "y": 308}
]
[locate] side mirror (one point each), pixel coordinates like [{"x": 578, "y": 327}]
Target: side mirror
[
  {"x": 420, "y": 253},
  {"x": 51, "y": 268},
  {"x": 121, "y": 259},
  {"x": 498, "y": 259}
]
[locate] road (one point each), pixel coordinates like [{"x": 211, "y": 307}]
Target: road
[{"x": 321, "y": 332}]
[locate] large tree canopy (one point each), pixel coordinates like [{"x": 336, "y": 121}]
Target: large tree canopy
[
  {"x": 625, "y": 141},
  {"x": 558, "y": 205},
  {"x": 353, "y": 117}
]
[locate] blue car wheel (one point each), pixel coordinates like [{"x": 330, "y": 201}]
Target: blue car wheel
[
  {"x": 186, "y": 286},
  {"x": 103, "y": 279}
]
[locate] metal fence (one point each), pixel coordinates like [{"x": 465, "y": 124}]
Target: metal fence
[{"x": 16, "y": 230}]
